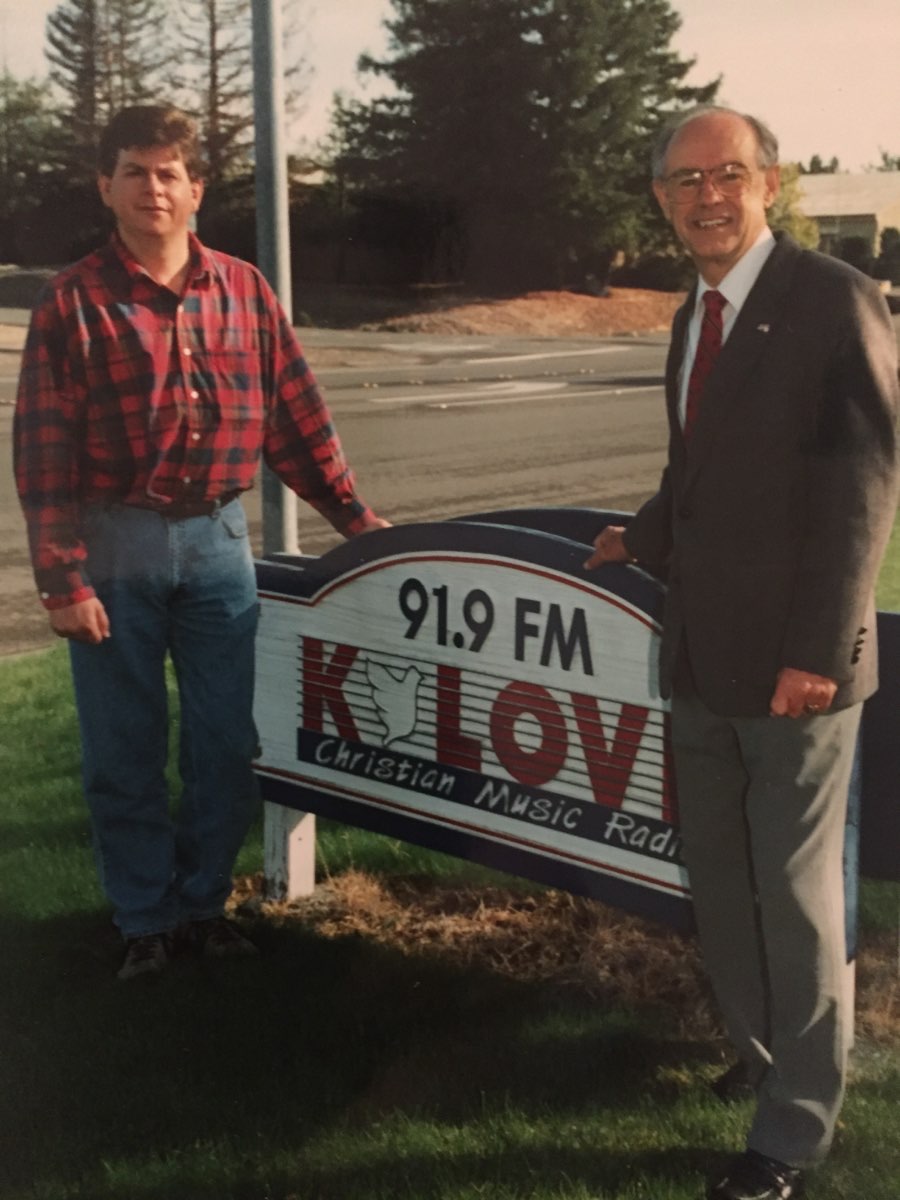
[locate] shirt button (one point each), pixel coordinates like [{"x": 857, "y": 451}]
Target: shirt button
[
  {"x": 45, "y": 595},
  {"x": 195, "y": 395},
  {"x": 196, "y": 437},
  {"x": 186, "y": 479}
]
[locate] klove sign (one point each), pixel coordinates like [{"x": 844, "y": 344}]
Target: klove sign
[{"x": 468, "y": 686}]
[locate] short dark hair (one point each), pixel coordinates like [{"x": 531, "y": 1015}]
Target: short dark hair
[
  {"x": 766, "y": 141},
  {"x": 146, "y": 125}
]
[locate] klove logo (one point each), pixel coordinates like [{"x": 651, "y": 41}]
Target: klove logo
[
  {"x": 395, "y": 694},
  {"x": 590, "y": 766}
]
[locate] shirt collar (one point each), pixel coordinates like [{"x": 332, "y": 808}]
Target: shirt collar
[
  {"x": 202, "y": 265},
  {"x": 737, "y": 284}
]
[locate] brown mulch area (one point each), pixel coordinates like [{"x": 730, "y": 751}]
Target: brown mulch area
[
  {"x": 549, "y": 314},
  {"x": 551, "y": 937}
]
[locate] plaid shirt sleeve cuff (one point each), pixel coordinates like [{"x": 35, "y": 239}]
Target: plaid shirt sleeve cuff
[
  {"x": 348, "y": 518},
  {"x": 51, "y": 602},
  {"x": 361, "y": 523},
  {"x": 62, "y": 585}
]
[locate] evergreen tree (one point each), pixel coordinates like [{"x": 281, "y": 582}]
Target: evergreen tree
[
  {"x": 133, "y": 52},
  {"x": 103, "y": 54},
  {"x": 528, "y": 123},
  {"x": 887, "y": 265},
  {"x": 29, "y": 158},
  {"x": 818, "y": 166},
  {"x": 75, "y": 55},
  {"x": 889, "y": 162}
]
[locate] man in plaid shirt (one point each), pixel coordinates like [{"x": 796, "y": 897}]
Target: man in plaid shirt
[{"x": 156, "y": 372}]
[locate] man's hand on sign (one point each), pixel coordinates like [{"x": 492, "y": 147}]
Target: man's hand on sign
[
  {"x": 376, "y": 523},
  {"x": 83, "y": 622},
  {"x": 609, "y": 547}
]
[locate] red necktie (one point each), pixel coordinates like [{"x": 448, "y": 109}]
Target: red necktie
[{"x": 708, "y": 347}]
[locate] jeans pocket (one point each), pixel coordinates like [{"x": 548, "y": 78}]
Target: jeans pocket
[{"x": 234, "y": 520}]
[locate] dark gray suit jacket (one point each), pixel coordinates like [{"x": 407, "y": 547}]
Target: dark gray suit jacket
[{"x": 773, "y": 522}]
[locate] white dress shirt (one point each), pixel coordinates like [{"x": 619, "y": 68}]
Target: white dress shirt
[{"x": 735, "y": 287}]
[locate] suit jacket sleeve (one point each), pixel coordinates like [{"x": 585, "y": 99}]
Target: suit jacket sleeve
[
  {"x": 849, "y": 486},
  {"x": 648, "y": 535}
]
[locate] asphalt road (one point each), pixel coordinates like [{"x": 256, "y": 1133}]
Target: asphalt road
[{"x": 435, "y": 427}]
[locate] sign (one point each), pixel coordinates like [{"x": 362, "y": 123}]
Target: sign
[{"x": 470, "y": 687}]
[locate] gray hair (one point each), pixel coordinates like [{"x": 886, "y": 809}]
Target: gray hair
[{"x": 766, "y": 141}]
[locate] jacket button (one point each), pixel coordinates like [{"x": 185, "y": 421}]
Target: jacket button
[{"x": 685, "y": 513}]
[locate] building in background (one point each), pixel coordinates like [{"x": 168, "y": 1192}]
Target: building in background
[{"x": 852, "y": 212}]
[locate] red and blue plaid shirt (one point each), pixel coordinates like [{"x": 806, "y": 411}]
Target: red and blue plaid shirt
[{"x": 131, "y": 394}]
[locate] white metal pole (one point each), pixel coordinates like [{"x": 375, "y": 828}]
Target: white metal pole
[
  {"x": 272, "y": 232},
  {"x": 290, "y": 836}
]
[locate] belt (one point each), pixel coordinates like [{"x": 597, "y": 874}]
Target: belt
[{"x": 181, "y": 510}]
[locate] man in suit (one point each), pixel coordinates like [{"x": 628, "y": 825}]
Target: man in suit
[{"x": 771, "y": 521}]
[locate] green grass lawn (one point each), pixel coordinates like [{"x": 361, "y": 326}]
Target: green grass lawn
[{"x": 341, "y": 1067}]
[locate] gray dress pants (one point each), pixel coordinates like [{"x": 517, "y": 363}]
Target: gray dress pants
[{"x": 762, "y": 804}]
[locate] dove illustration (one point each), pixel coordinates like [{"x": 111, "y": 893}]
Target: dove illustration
[{"x": 395, "y": 694}]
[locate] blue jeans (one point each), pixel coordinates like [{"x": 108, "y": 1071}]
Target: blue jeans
[{"x": 185, "y": 588}]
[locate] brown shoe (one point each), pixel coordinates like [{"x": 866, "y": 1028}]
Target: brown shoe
[
  {"x": 217, "y": 937},
  {"x": 145, "y": 956}
]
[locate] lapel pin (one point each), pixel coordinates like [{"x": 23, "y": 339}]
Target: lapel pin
[{"x": 764, "y": 328}]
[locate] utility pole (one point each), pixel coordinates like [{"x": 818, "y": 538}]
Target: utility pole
[
  {"x": 272, "y": 235},
  {"x": 289, "y": 836}
]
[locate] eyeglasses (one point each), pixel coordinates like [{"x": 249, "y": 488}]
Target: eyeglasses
[{"x": 683, "y": 187}]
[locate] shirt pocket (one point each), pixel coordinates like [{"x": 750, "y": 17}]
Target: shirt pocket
[{"x": 228, "y": 388}]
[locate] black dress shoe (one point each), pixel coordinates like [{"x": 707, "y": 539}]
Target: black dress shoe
[{"x": 755, "y": 1177}]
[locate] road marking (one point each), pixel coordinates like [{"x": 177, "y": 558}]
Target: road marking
[
  {"x": 511, "y": 389},
  {"x": 580, "y": 394},
  {"x": 448, "y": 347},
  {"x": 547, "y": 354},
  {"x": 508, "y": 392}
]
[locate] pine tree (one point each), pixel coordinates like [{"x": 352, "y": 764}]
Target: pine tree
[
  {"x": 818, "y": 166},
  {"x": 29, "y": 155},
  {"x": 530, "y": 121},
  {"x": 103, "y": 54},
  {"x": 132, "y": 52},
  {"x": 74, "y": 52}
]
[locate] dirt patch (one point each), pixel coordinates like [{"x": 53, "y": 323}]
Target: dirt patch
[
  {"x": 547, "y": 314},
  {"x": 551, "y": 937}
]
